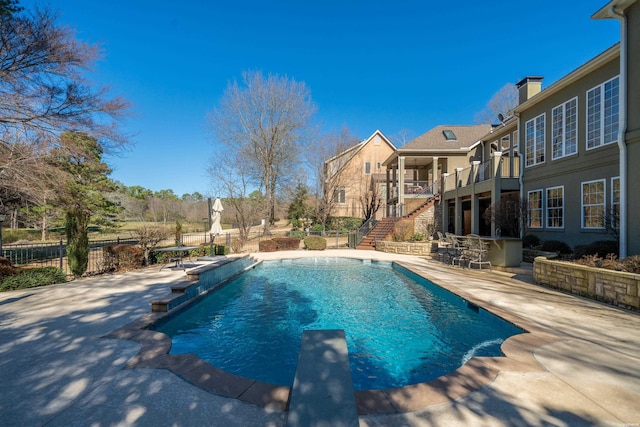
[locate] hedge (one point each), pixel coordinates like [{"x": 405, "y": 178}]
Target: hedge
[
  {"x": 315, "y": 243},
  {"x": 122, "y": 257},
  {"x": 33, "y": 277}
]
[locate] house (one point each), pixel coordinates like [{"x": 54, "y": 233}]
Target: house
[
  {"x": 628, "y": 13},
  {"x": 356, "y": 175},
  {"x": 569, "y": 152}
]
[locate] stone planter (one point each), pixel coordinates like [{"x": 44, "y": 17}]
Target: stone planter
[
  {"x": 613, "y": 287},
  {"x": 407, "y": 248}
]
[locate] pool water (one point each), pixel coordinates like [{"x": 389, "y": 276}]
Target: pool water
[{"x": 400, "y": 328}]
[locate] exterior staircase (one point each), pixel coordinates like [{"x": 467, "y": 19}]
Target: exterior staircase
[
  {"x": 382, "y": 229},
  {"x": 385, "y": 226}
]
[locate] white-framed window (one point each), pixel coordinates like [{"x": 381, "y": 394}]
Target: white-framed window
[
  {"x": 340, "y": 196},
  {"x": 367, "y": 168},
  {"x": 515, "y": 142},
  {"x": 564, "y": 129},
  {"x": 555, "y": 207},
  {"x": 615, "y": 202},
  {"x": 505, "y": 143},
  {"x": 534, "y": 141},
  {"x": 593, "y": 204},
  {"x": 534, "y": 209},
  {"x": 603, "y": 111}
]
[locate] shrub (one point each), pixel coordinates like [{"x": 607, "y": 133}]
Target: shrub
[
  {"x": 267, "y": 246},
  {"x": 286, "y": 243},
  {"x": 600, "y": 247},
  {"x": 315, "y": 243},
  {"x": 417, "y": 237},
  {"x": 530, "y": 241},
  {"x": 237, "y": 244},
  {"x": 33, "y": 277},
  {"x": 298, "y": 234},
  {"x": 122, "y": 257},
  {"x": 632, "y": 264},
  {"x": 317, "y": 227},
  {"x": 11, "y": 236},
  {"x": 221, "y": 250},
  {"x": 344, "y": 223},
  {"x": 402, "y": 231},
  {"x": 6, "y": 268},
  {"x": 555, "y": 246}
]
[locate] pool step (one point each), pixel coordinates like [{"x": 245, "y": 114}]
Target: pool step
[{"x": 322, "y": 393}]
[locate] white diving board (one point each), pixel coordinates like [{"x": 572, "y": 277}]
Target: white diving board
[{"x": 322, "y": 392}]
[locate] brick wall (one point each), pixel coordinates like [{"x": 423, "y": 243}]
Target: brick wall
[{"x": 613, "y": 287}]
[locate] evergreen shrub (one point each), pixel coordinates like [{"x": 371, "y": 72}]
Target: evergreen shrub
[{"x": 315, "y": 243}]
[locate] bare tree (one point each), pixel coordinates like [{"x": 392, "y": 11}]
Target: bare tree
[
  {"x": 43, "y": 94},
  {"x": 264, "y": 120},
  {"x": 323, "y": 159},
  {"x": 370, "y": 197},
  {"x": 502, "y": 102},
  {"x": 231, "y": 177}
]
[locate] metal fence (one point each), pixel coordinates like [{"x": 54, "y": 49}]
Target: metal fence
[{"x": 55, "y": 254}]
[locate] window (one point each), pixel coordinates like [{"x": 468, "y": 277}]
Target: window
[
  {"x": 534, "y": 141},
  {"x": 367, "y": 168},
  {"x": 515, "y": 142},
  {"x": 555, "y": 207},
  {"x": 564, "y": 125},
  {"x": 339, "y": 196},
  {"x": 603, "y": 114},
  {"x": 449, "y": 135},
  {"x": 593, "y": 204},
  {"x": 615, "y": 202},
  {"x": 505, "y": 143},
  {"x": 378, "y": 166},
  {"x": 535, "y": 208}
]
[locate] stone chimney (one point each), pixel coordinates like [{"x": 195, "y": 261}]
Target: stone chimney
[{"x": 528, "y": 87}]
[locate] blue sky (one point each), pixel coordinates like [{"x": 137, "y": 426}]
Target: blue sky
[{"x": 369, "y": 64}]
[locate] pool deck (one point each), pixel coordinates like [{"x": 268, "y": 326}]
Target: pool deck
[{"x": 60, "y": 369}]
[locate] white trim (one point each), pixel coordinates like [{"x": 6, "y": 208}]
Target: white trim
[
  {"x": 548, "y": 217},
  {"x": 603, "y": 204},
  {"x": 602, "y": 116},
  {"x": 535, "y": 140},
  {"x": 563, "y": 135},
  {"x": 540, "y": 191}
]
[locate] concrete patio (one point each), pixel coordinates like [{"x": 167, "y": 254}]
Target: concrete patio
[{"x": 58, "y": 369}]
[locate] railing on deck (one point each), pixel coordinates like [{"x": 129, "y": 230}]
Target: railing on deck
[
  {"x": 355, "y": 237},
  {"x": 509, "y": 168}
]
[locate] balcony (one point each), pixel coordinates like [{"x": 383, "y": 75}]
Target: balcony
[{"x": 508, "y": 170}]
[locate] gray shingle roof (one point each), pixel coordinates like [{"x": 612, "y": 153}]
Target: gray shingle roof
[{"x": 466, "y": 136}]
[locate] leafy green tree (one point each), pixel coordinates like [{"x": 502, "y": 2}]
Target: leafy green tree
[
  {"x": 84, "y": 184},
  {"x": 298, "y": 209}
]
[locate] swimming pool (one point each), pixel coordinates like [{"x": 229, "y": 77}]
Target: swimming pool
[{"x": 401, "y": 329}]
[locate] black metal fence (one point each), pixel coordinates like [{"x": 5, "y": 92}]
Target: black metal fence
[{"x": 55, "y": 254}]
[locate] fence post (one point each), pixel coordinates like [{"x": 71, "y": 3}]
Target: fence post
[{"x": 60, "y": 250}]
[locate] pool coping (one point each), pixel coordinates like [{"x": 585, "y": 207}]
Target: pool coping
[{"x": 473, "y": 375}]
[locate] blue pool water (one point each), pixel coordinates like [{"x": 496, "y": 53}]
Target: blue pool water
[{"x": 400, "y": 328}]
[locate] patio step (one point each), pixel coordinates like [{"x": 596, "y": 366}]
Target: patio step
[{"x": 322, "y": 392}]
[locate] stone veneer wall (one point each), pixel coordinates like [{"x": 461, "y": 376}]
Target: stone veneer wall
[
  {"x": 613, "y": 287},
  {"x": 407, "y": 248}
]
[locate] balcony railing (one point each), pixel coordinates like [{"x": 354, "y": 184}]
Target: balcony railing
[{"x": 509, "y": 168}]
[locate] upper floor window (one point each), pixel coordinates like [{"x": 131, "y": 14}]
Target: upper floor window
[
  {"x": 505, "y": 143},
  {"x": 515, "y": 141},
  {"x": 564, "y": 129},
  {"x": 534, "y": 208},
  {"x": 555, "y": 207},
  {"x": 339, "y": 196},
  {"x": 603, "y": 114},
  {"x": 593, "y": 204},
  {"x": 367, "y": 168},
  {"x": 534, "y": 141}
]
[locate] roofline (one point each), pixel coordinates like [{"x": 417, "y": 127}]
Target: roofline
[
  {"x": 572, "y": 77},
  {"x": 360, "y": 145},
  {"x": 605, "y": 11}
]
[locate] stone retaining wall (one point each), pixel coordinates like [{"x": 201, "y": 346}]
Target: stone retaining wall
[
  {"x": 407, "y": 248},
  {"x": 613, "y": 287}
]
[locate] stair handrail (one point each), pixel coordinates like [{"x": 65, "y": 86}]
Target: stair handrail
[{"x": 363, "y": 231}]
